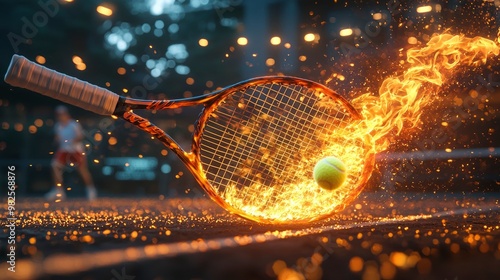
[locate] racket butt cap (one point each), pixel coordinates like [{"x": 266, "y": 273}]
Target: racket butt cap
[{"x": 14, "y": 66}]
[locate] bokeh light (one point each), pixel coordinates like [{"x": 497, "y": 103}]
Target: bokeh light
[
  {"x": 270, "y": 62},
  {"x": 309, "y": 37},
  {"x": 105, "y": 11},
  {"x": 121, "y": 71},
  {"x": 412, "y": 40},
  {"x": 377, "y": 16},
  {"x": 40, "y": 59},
  {"x": 242, "y": 41},
  {"x": 424, "y": 9},
  {"x": 190, "y": 81},
  {"x": 38, "y": 122},
  {"x": 81, "y": 66},
  {"x": 275, "y": 40},
  {"x": 76, "y": 59},
  {"x": 203, "y": 42},
  {"x": 346, "y": 32}
]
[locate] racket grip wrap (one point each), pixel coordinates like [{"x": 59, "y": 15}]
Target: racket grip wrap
[{"x": 29, "y": 75}]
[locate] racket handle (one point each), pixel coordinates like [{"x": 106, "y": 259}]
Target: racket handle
[{"x": 29, "y": 75}]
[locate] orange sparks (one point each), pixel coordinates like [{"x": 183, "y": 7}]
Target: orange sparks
[{"x": 401, "y": 98}]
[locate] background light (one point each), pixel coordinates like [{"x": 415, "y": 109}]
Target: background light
[
  {"x": 81, "y": 66},
  {"x": 270, "y": 62},
  {"x": 121, "y": 71},
  {"x": 412, "y": 40},
  {"x": 377, "y": 16},
  {"x": 40, "y": 59},
  {"x": 105, "y": 11},
  {"x": 76, "y": 59},
  {"x": 166, "y": 168},
  {"x": 275, "y": 40},
  {"x": 309, "y": 37},
  {"x": 345, "y": 32},
  {"x": 203, "y": 42},
  {"x": 424, "y": 9},
  {"x": 242, "y": 41}
]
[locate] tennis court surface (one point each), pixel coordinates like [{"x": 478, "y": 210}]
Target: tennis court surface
[{"x": 403, "y": 236}]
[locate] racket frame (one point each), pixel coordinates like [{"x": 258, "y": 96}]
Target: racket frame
[{"x": 210, "y": 102}]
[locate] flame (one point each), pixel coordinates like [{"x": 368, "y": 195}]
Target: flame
[
  {"x": 398, "y": 106},
  {"x": 401, "y": 98}
]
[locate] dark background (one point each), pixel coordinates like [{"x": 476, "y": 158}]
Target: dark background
[{"x": 77, "y": 29}]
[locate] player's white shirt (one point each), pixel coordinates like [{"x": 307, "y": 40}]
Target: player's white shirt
[{"x": 66, "y": 136}]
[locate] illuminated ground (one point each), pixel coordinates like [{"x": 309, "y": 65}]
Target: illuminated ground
[{"x": 378, "y": 237}]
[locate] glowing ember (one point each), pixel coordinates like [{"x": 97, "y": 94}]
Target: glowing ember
[
  {"x": 40, "y": 59},
  {"x": 399, "y": 105},
  {"x": 309, "y": 37},
  {"x": 424, "y": 9},
  {"x": 105, "y": 11},
  {"x": 346, "y": 32},
  {"x": 242, "y": 41}
]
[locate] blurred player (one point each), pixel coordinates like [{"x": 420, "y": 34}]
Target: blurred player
[{"x": 69, "y": 136}]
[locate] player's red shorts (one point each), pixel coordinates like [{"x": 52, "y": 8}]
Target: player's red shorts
[{"x": 66, "y": 158}]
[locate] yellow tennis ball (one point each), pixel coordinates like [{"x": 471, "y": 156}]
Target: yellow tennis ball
[{"x": 329, "y": 173}]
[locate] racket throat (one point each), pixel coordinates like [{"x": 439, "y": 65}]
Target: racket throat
[
  {"x": 126, "y": 104},
  {"x": 158, "y": 133},
  {"x": 121, "y": 107}
]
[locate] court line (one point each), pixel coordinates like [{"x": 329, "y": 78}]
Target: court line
[
  {"x": 442, "y": 154},
  {"x": 64, "y": 264}
]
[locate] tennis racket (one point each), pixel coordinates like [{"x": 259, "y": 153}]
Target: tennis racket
[{"x": 254, "y": 145}]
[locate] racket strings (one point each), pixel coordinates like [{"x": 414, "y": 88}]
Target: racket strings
[
  {"x": 306, "y": 143},
  {"x": 220, "y": 128},
  {"x": 255, "y": 141},
  {"x": 241, "y": 147},
  {"x": 261, "y": 140},
  {"x": 282, "y": 133},
  {"x": 259, "y": 135}
]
